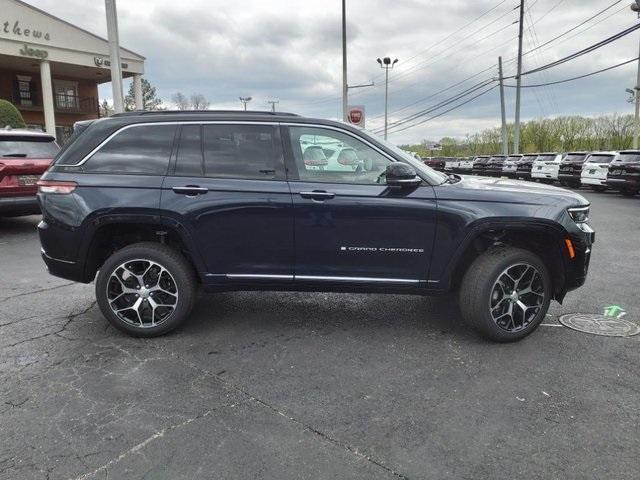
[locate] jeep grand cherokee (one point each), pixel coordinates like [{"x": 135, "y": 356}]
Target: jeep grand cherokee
[{"x": 153, "y": 205}]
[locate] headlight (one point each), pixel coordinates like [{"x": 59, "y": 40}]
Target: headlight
[{"x": 579, "y": 214}]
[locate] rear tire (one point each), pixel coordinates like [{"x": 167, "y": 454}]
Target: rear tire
[
  {"x": 487, "y": 299},
  {"x": 146, "y": 289}
]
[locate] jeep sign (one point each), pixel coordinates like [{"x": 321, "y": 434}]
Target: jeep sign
[{"x": 355, "y": 115}]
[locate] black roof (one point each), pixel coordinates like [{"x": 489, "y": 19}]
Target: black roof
[{"x": 135, "y": 113}]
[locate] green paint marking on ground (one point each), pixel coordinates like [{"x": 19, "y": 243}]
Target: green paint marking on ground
[{"x": 613, "y": 311}]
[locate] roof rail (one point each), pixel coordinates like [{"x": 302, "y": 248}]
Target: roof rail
[{"x": 203, "y": 112}]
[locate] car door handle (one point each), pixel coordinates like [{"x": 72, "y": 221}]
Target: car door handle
[
  {"x": 190, "y": 190},
  {"x": 319, "y": 195}
]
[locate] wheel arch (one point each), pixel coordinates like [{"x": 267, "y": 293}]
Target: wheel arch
[
  {"x": 112, "y": 233},
  {"x": 545, "y": 238}
]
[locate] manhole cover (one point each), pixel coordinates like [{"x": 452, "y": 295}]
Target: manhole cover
[{"x": 600, "y": 324}]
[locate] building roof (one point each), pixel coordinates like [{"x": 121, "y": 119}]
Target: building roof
[{"x": 58, "y": 19}]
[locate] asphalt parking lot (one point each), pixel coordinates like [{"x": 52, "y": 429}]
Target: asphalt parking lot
[{"x": 297, "y": 385}]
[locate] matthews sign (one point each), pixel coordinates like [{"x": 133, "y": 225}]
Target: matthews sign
[
  {"x": 17, "y": 29},
  {"x": 355, "y": 115}
]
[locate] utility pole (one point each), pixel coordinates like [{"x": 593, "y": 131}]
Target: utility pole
[
  {"x": 244, "y": 101},
  {"x": 273, "y": 104},
  {"x": 345, "y": 90},
  {"x": 516, "y": 133},
  {"x": 387, "y": 65},
  {"x": 114, "y": 54},
  {"x": 636, "y": 127},
  {"x": 505, "y": 145}
]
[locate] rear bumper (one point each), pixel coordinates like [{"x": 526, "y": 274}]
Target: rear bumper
[
  {"x": 593, "y": 181},
  {"x": 15, "y": 206},
  {"x": 569, "y": 177},
  {"x": 63, "y": 268},
  {"x": 544, "y": 174},
  {"x": 623, "y": 183}
]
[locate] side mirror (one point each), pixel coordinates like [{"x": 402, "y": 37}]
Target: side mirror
[{"x": 400, "y": 174}]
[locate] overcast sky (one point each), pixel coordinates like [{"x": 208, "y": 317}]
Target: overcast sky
[{"x": 290, "y": 50}]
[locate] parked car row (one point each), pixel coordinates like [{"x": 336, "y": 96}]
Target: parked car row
[{"x": 597, "y": 170}]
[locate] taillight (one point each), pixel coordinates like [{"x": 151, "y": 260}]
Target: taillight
[{"x": 53, "y": 186}]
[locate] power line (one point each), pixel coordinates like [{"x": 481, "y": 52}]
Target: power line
[
  {"x": 446, "y": 111},
  {"x": 578, "y": 77}
]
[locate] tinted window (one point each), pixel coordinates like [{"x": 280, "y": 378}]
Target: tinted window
[
  {"x": 135, "y": 150},
  {"x": 575, "y": 157},
  {"x": 546, "y": 158},
  {"x": 189, "y": 155},
  {"x": 600, "y": 159},
  {"x": 28, "y": 147},
  {"x": 629, "y": 157},
  {"x": 324, "y": 155},
  {"x": 240, "y": 151}
]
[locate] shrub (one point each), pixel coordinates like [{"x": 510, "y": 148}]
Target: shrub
[{"x": 9, "y": 115}]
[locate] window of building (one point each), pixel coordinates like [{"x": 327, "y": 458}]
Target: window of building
[
  {"x": 240, "y": 151},
  {"x": 324, "y": 155},
  {"x": 136, "y": 150},
  {"x": 66, "y": 94}
]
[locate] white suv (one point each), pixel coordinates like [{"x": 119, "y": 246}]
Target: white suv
[
  {"x": 546, "y": 167},
  {"x": 465, "y": 165},
  {"x": 595, "y": 169}
]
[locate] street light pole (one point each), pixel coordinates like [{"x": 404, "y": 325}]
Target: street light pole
[
  {"x": 273, "y": 104},
  {"x": 345, "y": 90},
  {"x": 636, "y": 126},
  {"x": 387, "y": 64},
  {"x": 245, "y": 100},
  {"x": 505, "y": 144},
  {"x": 516, "y": 132},
  {"x": 114, "y": 55}
]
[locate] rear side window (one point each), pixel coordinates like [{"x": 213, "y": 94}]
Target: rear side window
[
  {"x": 240, "y": 151},
  {"x": 27, "y": 146},
  {"x": 141, "y": 150}
]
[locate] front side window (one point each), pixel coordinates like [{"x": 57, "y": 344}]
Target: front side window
[
  {"x": 141, "y": 150},
  {"x": 240, "y": 151},
  {"x": 324, "y": 155}
]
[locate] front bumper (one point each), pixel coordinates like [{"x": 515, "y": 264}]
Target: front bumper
[
  {"x": 583, "y": 238},
  {"x": 17, "y": 206}
]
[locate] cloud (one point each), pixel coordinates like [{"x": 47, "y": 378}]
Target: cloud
[{"x": 291, "y": 50}]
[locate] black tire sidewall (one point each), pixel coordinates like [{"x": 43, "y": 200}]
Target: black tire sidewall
[
  {"x": 168, "y": 258},
  {"x": 484, "y": 272}
]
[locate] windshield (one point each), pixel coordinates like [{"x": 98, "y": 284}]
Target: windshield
[
  {"x": 600, "y": 159},
  {"x": 629, "y": 157},
  {"x": 433, "y": 175},
  {"x": 575, "y": 157},
  {"x": 28, "y": 147}
]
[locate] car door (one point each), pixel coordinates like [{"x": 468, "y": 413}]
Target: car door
[
  {"x": 227, "y": 191},
  {"x": 349, "y": 225}
]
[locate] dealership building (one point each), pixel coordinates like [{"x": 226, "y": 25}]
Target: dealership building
[{"x": 50, "y": 69}]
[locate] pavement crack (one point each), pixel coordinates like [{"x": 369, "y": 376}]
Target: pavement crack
[
  {"x": 138, "y": 447},
  {"x": 69, "y": 318},
  {"x": 5, "y": 299},
  {"x": 232, "y": 386}
]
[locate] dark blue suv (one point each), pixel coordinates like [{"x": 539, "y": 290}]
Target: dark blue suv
[{"x": 159, "y": 204}]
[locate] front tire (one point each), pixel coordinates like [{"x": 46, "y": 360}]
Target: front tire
[
  {"x": 505, "y": 294},
  {"x": 146, "y": 289}
]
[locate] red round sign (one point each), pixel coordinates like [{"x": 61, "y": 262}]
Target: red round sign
[{"x": 355, "y": 116}]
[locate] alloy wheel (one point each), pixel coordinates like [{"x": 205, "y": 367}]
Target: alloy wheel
[
  {"x": 516, "y": 297},
  {"x": 142, "y": 293}
]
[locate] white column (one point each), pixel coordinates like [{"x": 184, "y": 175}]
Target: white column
[
  {"x": 47, "y": 97},
  {"x": 137, "y": 91}
]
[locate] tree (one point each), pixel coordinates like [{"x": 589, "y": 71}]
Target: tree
[
  {"x": 106, "y": 110},
  {"x": 199, "y": 102},
  {"x": 196, "y": 101},
  {"x": 10, "y": 116},
  {"x": 150, "y": 100},
  {"x": 182, "y": 103}
]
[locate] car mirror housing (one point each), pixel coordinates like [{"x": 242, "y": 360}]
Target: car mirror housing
[{"x": 400, "y": 174}]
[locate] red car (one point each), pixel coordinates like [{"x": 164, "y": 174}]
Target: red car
[{"x": 24, "y": 156}]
